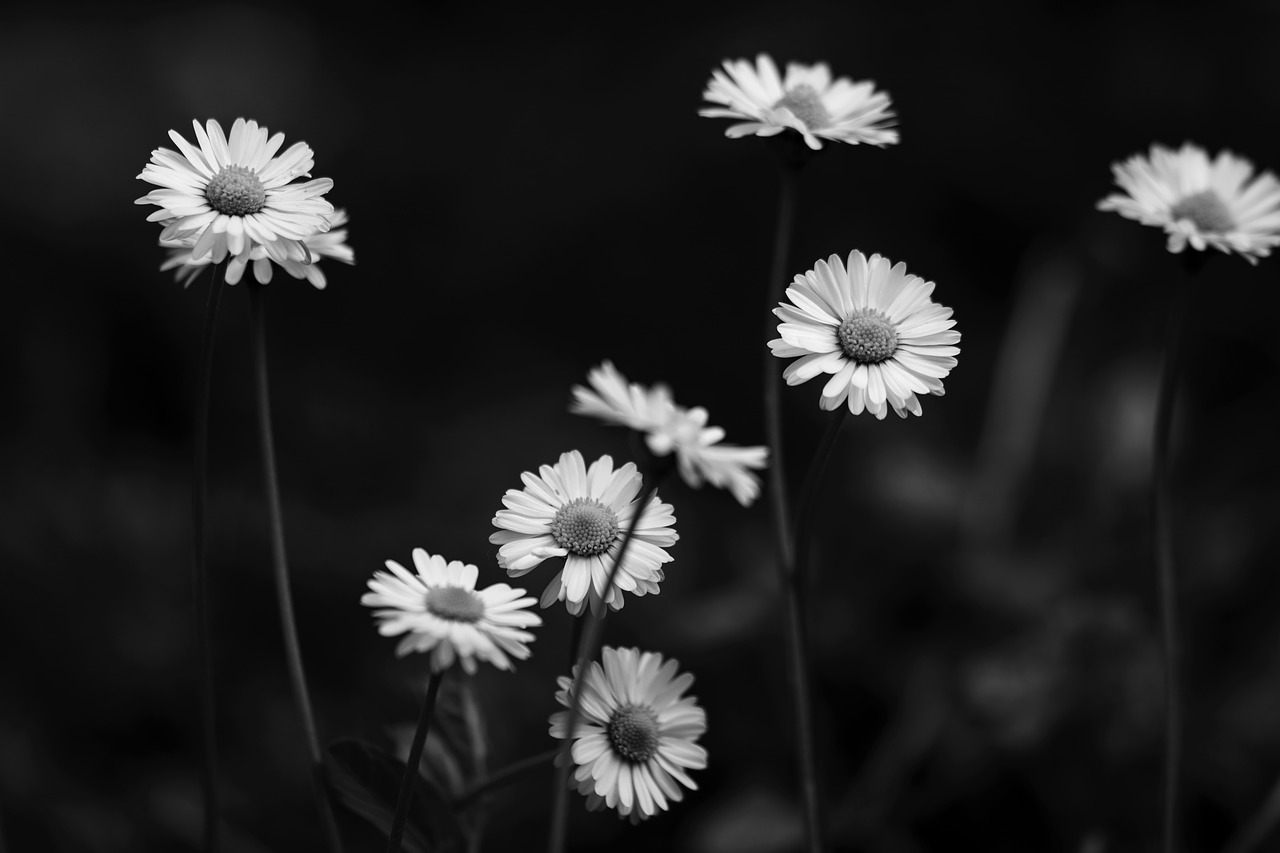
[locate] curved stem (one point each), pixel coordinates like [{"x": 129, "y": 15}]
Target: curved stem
[
  {"x": 1167, "y": 575},
  {"x": 1253, "y": 833},
  {"x": 503, "y": 776},
  {"x": 200, "y": 575},
  {"x": 280, "y": 564},
  {"x": 772, "y": 379},
  {"x": 586, "y": 651},
  {"x": 411, "y": 768}
]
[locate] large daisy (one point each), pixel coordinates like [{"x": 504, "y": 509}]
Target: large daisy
[
  {"x": 635, "y": 738},
  {"x": 582, "y": 514},
  {"x": 326, "y": 244},
  {"x": 229, "y": 194},
  {"x": 1216, "y": 203},
  {"x": 872, "y": 328},
  {"x": 806, "y": 100},
  {"x": 670, "y": 428},
  {"x": 439, "y": 610}
]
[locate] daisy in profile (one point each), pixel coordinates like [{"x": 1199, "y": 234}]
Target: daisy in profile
[
  {"x": 1218, "y": 203},
  {"x": 871, "y": 328},
  {"x": 325, "y": 244},
  {"x": 582, "y": 514},
  {"x": 806, "y": 100},
  {"x": 670, "y": 428},
  {"x": 636, "y": 737},
  {"x": 439, "y": 610},
  {"x": 229, "y": 194}
]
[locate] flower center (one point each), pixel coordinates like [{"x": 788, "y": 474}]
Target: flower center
[
  {"x": 236, "y": 191},
  {"x": 633, "y": 733},
  {"x": 867, "y": 337},
  {"x": 1206, "y": 211},
  {"x": 585, "y": 527},
  {"x": 454, "y": 604},
  {"x": 806, "y": 105}
]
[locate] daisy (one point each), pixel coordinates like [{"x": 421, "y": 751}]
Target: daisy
[
  {"x": 327, "y": 244},
  {"x": 873, "y": 327},
  {"x": 582, "y": 514},
  {"x": 635, "y": 738},
  {"x": 439, "y": 610},
  {"x": 668, "y": 427},
  {"x": 807, "y": 100},
  {"x": 229, "y": 195},
  {"x": 1196, "y": 201}
]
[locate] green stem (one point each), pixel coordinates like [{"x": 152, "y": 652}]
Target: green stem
[
  {"x": 280, "y": 564},
  {"x": 200, "y": 575},
  {"x": 503, "y": 776},
  {"x": 405, "y": 797},
  {"x": 586, "y": 651}
]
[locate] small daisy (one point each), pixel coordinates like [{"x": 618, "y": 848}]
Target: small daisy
[
  {"x": 229, "y": 195},
  {"x": 873, "y": 327},
  {"x": 668, "y": 427},
  {"x": 567, "y": 510},
  {"x": 807, "y": 100},
  {"x": 439, "y": 610},
  {"x": 1196, "y": 201},
  {"x": 326, "y": 244},
  {"x": 635, "y": 737}
]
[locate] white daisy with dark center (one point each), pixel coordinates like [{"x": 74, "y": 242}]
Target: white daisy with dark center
[
  {"x": 225, "y": 196},
  {"x": 807, "y": 100},
  {"x": 325, "y": 244},
  {"x": 582, "y": 514},
  {"x": 439, "y": 610},
  {"x": 871, "y": 329},
  {"x": 668, "y": 428},
  {"x": 636, "y": 736},
  {"x": 1200, "y": 202}
]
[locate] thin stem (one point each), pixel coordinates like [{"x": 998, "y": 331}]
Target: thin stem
[
  {"x": 280, "y": 564},
  {"x": 1253, "y": 833},
  {"x": 411, "y": 768},
  {"x": 1166, "y": 572},
  {"x": 772, "y": 379},
  {"x": 809, "y": 494},
  {"x": 502, "y": 777},
  {"x": 575, "y": 638},
  {"x": 200, "y": 574},
  {"x": 586, "y": 651}
]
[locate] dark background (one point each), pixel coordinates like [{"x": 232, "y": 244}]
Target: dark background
[{"x": 531, "y": 191}]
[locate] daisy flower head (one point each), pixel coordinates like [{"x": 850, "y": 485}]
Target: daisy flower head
[
  {"x": 439, "y": 610},
  {"x": 230, "y": 194},
  {"x": 635, "y": 740},
  {"x": 670, "y": 428},
  {"x": 323, "y": 244},
  {"x": 1203, "y": 202},
  {"x": 872, "y": 328},
  {"x": 582, "y": 514},
  {"x": 807, "y": 100}
]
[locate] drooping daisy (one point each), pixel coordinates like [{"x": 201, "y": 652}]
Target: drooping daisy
[
  {"x": 439, "y": 610},
  {"x": 807, "y": 100},
  {"x": 327, "y": 244},
  {"x": 228, "y": 195},
  {"x": 582, "y": 514},
  {"x": 668, "y": 427},
  {"x": 635, "y": 738},
  {"x": 872, "y": 327},
  {"x": 1214, "y": 203}
]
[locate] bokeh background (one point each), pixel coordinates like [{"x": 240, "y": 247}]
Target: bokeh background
[{"x": 531, "y": 191}]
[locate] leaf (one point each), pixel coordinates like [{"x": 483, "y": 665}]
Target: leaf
[{"x": 367, "y": 782}]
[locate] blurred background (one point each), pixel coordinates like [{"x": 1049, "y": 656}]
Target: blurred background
[{"x": 531, "y": 191}]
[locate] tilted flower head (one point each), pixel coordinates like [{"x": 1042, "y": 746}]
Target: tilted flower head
[
  {"x": 439, "y": 610},
  {"x": 1214, "y": 203},
  {"x": 326, "y": 244},
  {"x": 668, "y": 427},
  {"x": 229, "y": 195},
  {"x": 582, "y": 514},
  {"x": 635, "y": 738},
  {"x": 873, "y": 327},
  {"x": 807, "y": 100}
]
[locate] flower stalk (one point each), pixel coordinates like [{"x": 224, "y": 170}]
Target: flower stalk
[{"x": 405, "y": 797}]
